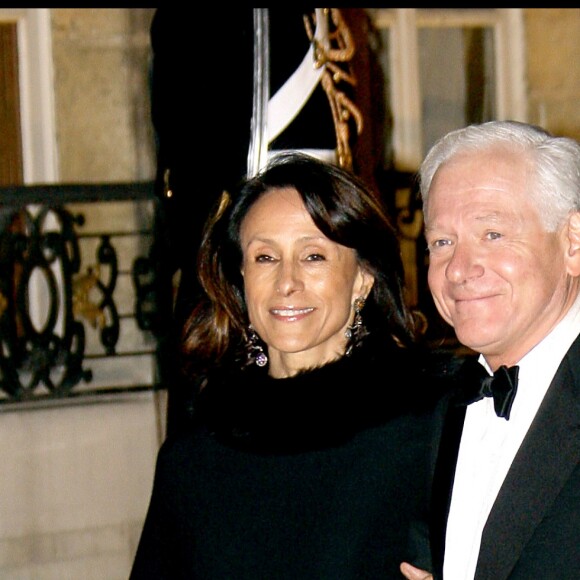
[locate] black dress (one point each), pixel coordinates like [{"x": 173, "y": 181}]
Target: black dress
[{"x": 322, "y": 476}]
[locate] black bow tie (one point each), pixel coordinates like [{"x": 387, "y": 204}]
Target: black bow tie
[{"x": 502, "y": 386}]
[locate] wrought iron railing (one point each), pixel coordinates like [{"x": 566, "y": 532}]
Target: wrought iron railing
[{"x": 79, "y": 293}]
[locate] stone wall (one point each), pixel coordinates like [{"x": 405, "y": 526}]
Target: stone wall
[
  {"x": 553, "y": 68},
  {"x": 74, "y": 488},
  {"x": 101, "y": 75}
]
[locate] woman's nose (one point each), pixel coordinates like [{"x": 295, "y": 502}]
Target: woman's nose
[
  {"x": 289, "y": 279},
  {"x": 463, "y": 265}
]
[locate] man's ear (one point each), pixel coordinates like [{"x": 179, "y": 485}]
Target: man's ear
[{"x": 573, "y": 245}]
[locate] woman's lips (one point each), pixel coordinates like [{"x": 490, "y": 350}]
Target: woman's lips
[{"x": 291, "y": 314}]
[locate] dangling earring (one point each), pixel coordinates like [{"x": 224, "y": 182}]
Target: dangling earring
[
  {"x": 256, "y": 353},
  {"x": 357, "y": 331}
]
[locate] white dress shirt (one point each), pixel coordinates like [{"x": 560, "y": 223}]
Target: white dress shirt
[{"x": 489, "y": 444}]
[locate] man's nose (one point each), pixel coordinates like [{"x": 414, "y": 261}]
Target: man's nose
[{"x": 464, "y": 265}]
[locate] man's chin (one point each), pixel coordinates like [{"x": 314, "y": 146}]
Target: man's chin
[{"x": 471, "y": 336}]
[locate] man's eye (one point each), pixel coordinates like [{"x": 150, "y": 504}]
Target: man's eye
[
  {"x": 493, "y": 235},
  {"x": 315, "y": 258},
  {"x": 439, "y": 243}
]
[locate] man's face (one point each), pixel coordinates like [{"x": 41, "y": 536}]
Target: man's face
[{"x": 495, "y": 274}]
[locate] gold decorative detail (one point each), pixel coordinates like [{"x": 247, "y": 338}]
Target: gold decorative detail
[
  {"x": 83, "y": 307},
  {"x": 341, "y": 49}
]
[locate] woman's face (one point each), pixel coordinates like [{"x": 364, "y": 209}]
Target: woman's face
[{"x": 299, "y": 285}]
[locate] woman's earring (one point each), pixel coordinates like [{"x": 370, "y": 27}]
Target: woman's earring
[
  {"x": 357, "y": 331},
  {"x": 256, "y": 353}
]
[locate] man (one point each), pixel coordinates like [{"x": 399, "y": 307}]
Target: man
[{"x": 502, "y": 221}]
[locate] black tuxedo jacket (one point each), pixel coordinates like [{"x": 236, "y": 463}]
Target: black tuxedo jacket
[{"x": 533, "y": 530}]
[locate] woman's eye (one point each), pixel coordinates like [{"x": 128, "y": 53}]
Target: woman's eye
[
  {"x": 261, "y": 258},
  {"x": 493, "y": 235},
  {"x": 315, "y": 258}
]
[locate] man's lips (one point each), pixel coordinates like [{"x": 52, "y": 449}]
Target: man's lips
[
  {"x": 473, "y": 305},
  {"x": 470, "y": 299},
  {"x": 478, "y": 298}
]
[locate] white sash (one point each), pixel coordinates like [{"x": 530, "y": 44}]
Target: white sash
[
  {"x": 289, "y": 100},
  {"x": 293, "y": 94}
]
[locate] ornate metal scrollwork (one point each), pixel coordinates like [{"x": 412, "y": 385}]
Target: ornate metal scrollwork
[
  {"x": 44, "y": 298},
  {"x": 89, "y": 287},
  {"x": 41, "y": 344}
]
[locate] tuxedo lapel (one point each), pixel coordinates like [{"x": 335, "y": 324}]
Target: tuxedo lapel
[{"x": 549, "y": 452}]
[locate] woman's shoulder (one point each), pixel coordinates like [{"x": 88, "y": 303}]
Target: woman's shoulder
[{"x": 378, "y": 383}]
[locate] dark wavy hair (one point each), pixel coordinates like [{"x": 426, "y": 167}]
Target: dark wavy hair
[{"x": 343, "y": 208}]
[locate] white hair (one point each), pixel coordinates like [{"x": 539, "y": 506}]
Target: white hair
[{"x": 554, "y": 162}]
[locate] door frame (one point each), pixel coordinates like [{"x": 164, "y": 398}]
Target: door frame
[{"x": 36, "y": 93}]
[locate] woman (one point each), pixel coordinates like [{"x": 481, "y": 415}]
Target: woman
[{"x": 310, "y": 447}]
